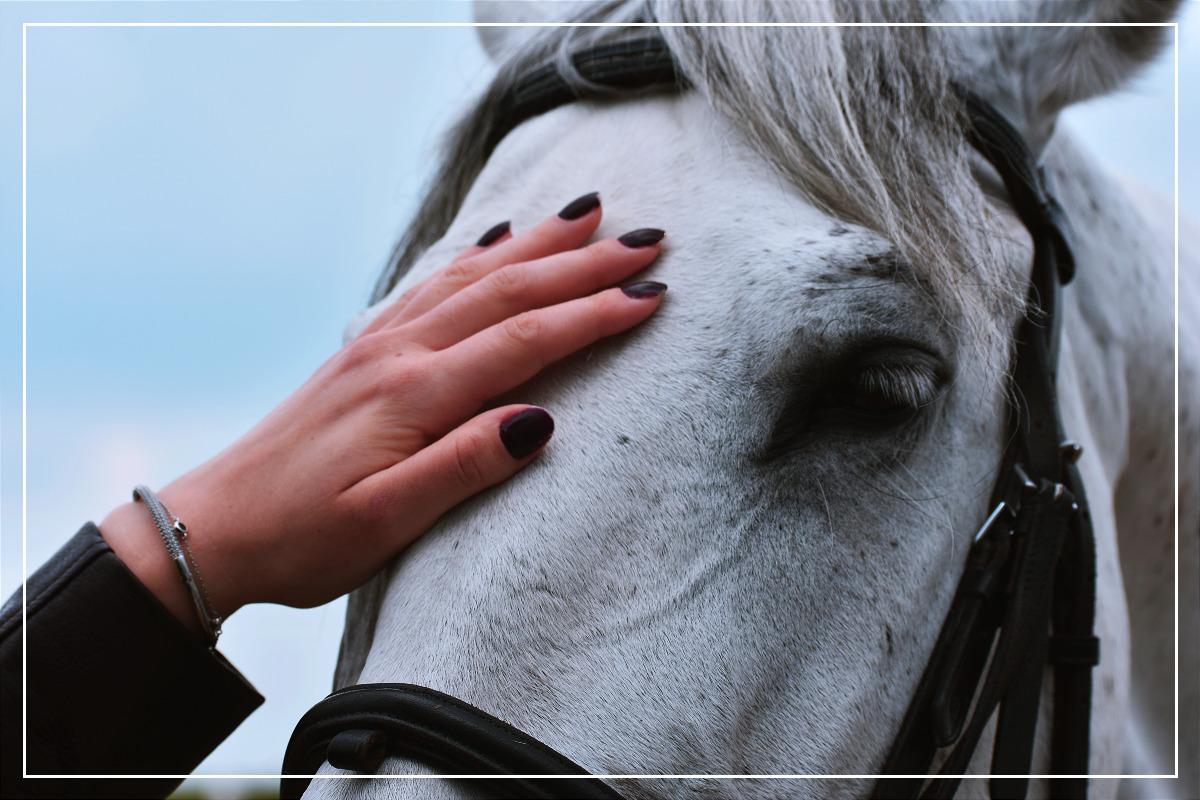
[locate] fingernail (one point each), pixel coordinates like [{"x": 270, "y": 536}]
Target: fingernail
[
  {"x": 642, "y": 237},
  {"x": 639, "y": 291},
  {"x": 580, "y": 206},
  {"x": 494, "y": 233},
  {"x": 526, "y": 431}
]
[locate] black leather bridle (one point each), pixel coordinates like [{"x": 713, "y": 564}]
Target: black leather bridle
[{"x": 1025, "y": 600}]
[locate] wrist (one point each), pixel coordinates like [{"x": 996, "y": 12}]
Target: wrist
[
  {"x": 131, "y": 533},
  {"x": 173, "y": 549},
  {"x": 215, "y": 537}
]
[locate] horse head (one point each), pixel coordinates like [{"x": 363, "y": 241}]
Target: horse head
[{"x": 738, "y": 552}]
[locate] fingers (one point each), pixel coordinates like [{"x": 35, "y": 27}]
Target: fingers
[
  {"x": 533, "y": 284},
  {"x": 511, "y": 352},
  {"x": 569, "y": 229},
  {"x": 497, "y": 233},
  {"x": 409, "y": 497},
  {"x": 553, "y": 235}
]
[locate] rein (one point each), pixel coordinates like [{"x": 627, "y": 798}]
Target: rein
[{"x": 1026, "y": 598}]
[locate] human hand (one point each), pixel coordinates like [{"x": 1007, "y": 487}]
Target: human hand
[{"x": 381, "y": 440}]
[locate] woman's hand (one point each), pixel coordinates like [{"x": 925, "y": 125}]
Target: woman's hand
[{"x": 383, "y": 439}]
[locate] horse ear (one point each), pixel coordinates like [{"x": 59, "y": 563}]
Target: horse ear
[
  {"x": 1032, "y": 73},
  {"x": 503, "y": 33}
]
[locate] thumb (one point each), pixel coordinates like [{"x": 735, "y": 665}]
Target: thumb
[{"x": 482, "y": 452}]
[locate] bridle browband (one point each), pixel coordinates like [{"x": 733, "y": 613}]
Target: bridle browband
[{"x": 1026, "y": 598}]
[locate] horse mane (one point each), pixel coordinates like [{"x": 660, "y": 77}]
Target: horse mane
[{"x": 864, "y": 121}]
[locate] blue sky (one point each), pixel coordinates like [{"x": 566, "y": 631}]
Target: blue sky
[{"x": 207, "y": 207}]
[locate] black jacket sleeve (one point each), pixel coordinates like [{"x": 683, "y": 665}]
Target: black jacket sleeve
[{"x": 115, "y": 685}]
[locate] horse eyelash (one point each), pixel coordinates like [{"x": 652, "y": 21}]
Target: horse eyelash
[{"x": 909, "y": 384}]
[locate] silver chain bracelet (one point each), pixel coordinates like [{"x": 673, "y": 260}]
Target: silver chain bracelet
[{"x": 174, "y": 534}]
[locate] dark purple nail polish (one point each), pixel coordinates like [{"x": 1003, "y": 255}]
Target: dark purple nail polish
[
  {"x": 642, "y": 237},
  {"x": 639, "y": 291},
  {"x": 526, "y": 431},
  {"x": 494, "y": 233},
  {"x": 580, "y": 206}
]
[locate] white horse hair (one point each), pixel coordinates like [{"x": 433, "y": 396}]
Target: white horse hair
[{"x": 721, "y": 566}]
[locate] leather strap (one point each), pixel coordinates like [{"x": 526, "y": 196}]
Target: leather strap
[
  {"x": 435, "y": 729},
  {"x": 1074, "y": 651},
  {"x": 1025, "y": 652},
  {"x": 627, "y": 66},
  {"x": 1039, "y": 506},
  {"x": 1027, "y": 183}
]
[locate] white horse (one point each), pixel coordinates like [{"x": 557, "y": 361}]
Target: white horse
[{"x": 737, "y": 553}]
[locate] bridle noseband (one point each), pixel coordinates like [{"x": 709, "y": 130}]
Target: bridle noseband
[
  {"x": 1026, "y": 598},
  {"x": 356, "y": 727}
]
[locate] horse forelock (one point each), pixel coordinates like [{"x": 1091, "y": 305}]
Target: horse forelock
[{"x": 864, "y": 121}]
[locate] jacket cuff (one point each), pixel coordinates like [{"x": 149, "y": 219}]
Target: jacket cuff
[{"x": 115, "y": 684}]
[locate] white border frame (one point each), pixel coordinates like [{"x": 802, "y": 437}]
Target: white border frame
[{"x": 27, "y": 25}]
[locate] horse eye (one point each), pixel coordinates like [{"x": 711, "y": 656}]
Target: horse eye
[
  {"x": 884, "y": 394},
  {"x": 875, "y": 394},
  {"x": 872, "y": 404}
]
